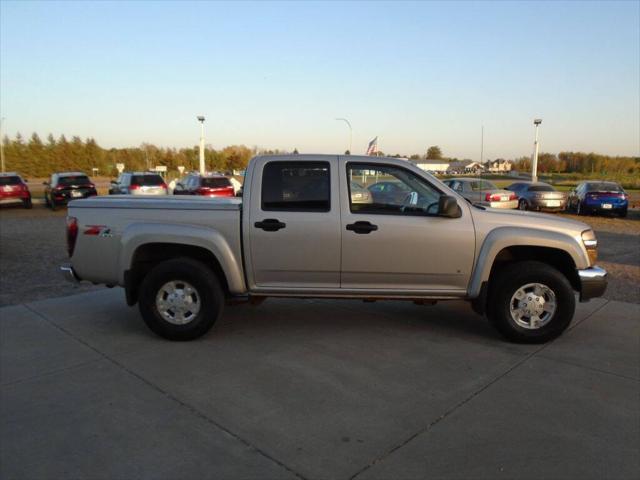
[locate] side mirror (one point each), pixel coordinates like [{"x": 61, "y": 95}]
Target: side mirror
[{"x": 448, "y": 207}]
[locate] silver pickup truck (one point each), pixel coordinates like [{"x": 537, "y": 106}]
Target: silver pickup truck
[{"x": 304, "y": 229}]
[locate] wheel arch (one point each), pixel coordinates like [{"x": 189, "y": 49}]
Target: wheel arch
[{"x": 509, "y": 244}]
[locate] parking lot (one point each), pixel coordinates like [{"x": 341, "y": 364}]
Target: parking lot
[{"x": 308, "y": 389}]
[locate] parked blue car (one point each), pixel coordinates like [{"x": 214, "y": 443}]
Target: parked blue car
[{"x": 598, "y": 197}]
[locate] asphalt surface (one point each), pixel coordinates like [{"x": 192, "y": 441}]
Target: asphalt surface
[{"x": 315, "y": 389}]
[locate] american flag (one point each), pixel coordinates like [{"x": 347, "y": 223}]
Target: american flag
[{"x": 372, "y": 149}]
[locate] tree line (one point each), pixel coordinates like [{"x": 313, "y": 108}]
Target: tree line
[
  {"x": 37, "y": 158},
  {"x": 582, "y": 163}
]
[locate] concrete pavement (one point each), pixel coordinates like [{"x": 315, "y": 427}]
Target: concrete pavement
[{"x": 315, "y": 389}]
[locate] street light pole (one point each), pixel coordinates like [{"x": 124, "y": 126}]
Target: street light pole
[
  {"x": 534, "y": 163},
  {"x": 202, "y": 167},
  {"x": 350, "y": 133}
]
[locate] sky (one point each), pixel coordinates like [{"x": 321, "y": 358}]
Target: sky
[{"x": 277, "y": 75}]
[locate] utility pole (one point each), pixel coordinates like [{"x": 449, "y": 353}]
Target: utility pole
[
  {"x": 481, "y": 145},
  {"x": 202, "y": 166},
  {"x": 534, "y": 163},
  {"x": 350, "y": 133},
  {"x": 1, "y": 145}
]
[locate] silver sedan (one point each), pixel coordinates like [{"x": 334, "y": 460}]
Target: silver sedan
[{"x": 483, "y": 192}]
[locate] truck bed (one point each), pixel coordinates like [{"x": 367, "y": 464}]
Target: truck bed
[{"x": 127, "y": 221}]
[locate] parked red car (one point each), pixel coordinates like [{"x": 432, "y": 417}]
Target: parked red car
[
  {"x": 208, "y": 185},
  {"x": 14, "y": 189}
]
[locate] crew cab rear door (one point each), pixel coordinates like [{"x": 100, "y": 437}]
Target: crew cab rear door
[
  {"x": 400, "y": 244},
  {"x": 293, "y": 230}
]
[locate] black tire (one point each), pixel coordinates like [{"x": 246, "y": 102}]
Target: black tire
[
  {"x": 207, "y": 290},
  {"x": 511, "y": 278},
  {"x": 579, "y": 209},
  {"x": 522, "y": 204},
  {"x": 52, "y": 204},
  {"x": 27, "y": 203},
  {"x": 46, "y": 201},
  {"x": 623, "y": 214}
]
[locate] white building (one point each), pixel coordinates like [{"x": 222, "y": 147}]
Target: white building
[{"x": 432, "y": 166}]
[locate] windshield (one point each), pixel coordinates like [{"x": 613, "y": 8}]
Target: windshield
[
  {"x": 149, "y": 180},
  {"x": 74, "y": 180},
  {"x": 216, "y": 182},
  {"x": 10, "y": 181}
]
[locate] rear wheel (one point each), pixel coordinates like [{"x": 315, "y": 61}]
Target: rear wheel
[
  {"x": 180, "y": 299},
  {"x": 531, "y": 302},
  {"x": 522, "y": 204},
  {"x": 52, "y": 204},
  {"x": 27, "y": 203},
  {"x": 580, "y": 209}
]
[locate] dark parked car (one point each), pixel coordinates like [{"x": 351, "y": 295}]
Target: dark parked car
[
  {"x": 207, "y": 185},
  {"x": 538, "y": 196},
  {"x": 66, "y": 186},
  {"x": 14, "y": 189},
  {"x": 598, "y": 197},
  {"x": 389, "y": 192},
  {"x": 138, "y": 183}
]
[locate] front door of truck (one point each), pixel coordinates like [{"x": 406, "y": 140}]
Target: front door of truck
[
  {"x": 294, "y": 225},
  {"x": 398, "y": 242}
]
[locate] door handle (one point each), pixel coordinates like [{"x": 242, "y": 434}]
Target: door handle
[
  {"x": 362, "y": 227},
  {"x": 270, "y": 225}
]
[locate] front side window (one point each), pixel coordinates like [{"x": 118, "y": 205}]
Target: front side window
[
  {"x": 296, "y": 187},
  {"x": 391, "y": 190}
]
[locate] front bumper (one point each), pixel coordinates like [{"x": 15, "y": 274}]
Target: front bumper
[
  {"x": 69, "y": 273},
  {"x": 593, "y": 282}
]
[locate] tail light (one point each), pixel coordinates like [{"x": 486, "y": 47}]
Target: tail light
[
  {"x": 513, "y": 196},
  {"x": 72, "y": 234},
  {"x": 492, "y": 198},
  {"x": 134, "y": 187},
  {"x": 163, "y": 185},
  {"x": 91, "y": 185}
]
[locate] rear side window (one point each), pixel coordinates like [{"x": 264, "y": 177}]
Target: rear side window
[
  {"x": 296, "y": 187},
  {"x": 219, "y": 182},
  {"x": 75, "y": 180},
  {"x": 148, "y": 180},
  {"x": 10, "y": 181}
]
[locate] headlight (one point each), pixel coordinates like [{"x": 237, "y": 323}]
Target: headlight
[{"x": 591, "y": 244}]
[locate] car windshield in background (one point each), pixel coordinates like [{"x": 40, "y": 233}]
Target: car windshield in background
[
  {"x": 541, "y": 188},
  {"x": 76, "y": 180},
  {"x": 9, "y": 181},
  {"x": 147, "y": 180},
  {"x": 603, "y": 187},
  {"x": 214, "y": 182}
]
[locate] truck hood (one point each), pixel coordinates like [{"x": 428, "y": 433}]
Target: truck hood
[{"x": 487, "y": 219}]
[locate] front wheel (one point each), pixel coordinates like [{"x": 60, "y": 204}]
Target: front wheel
[
  {"x": 180, "y": 299},
  {"x": 531, "y": 302}
]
